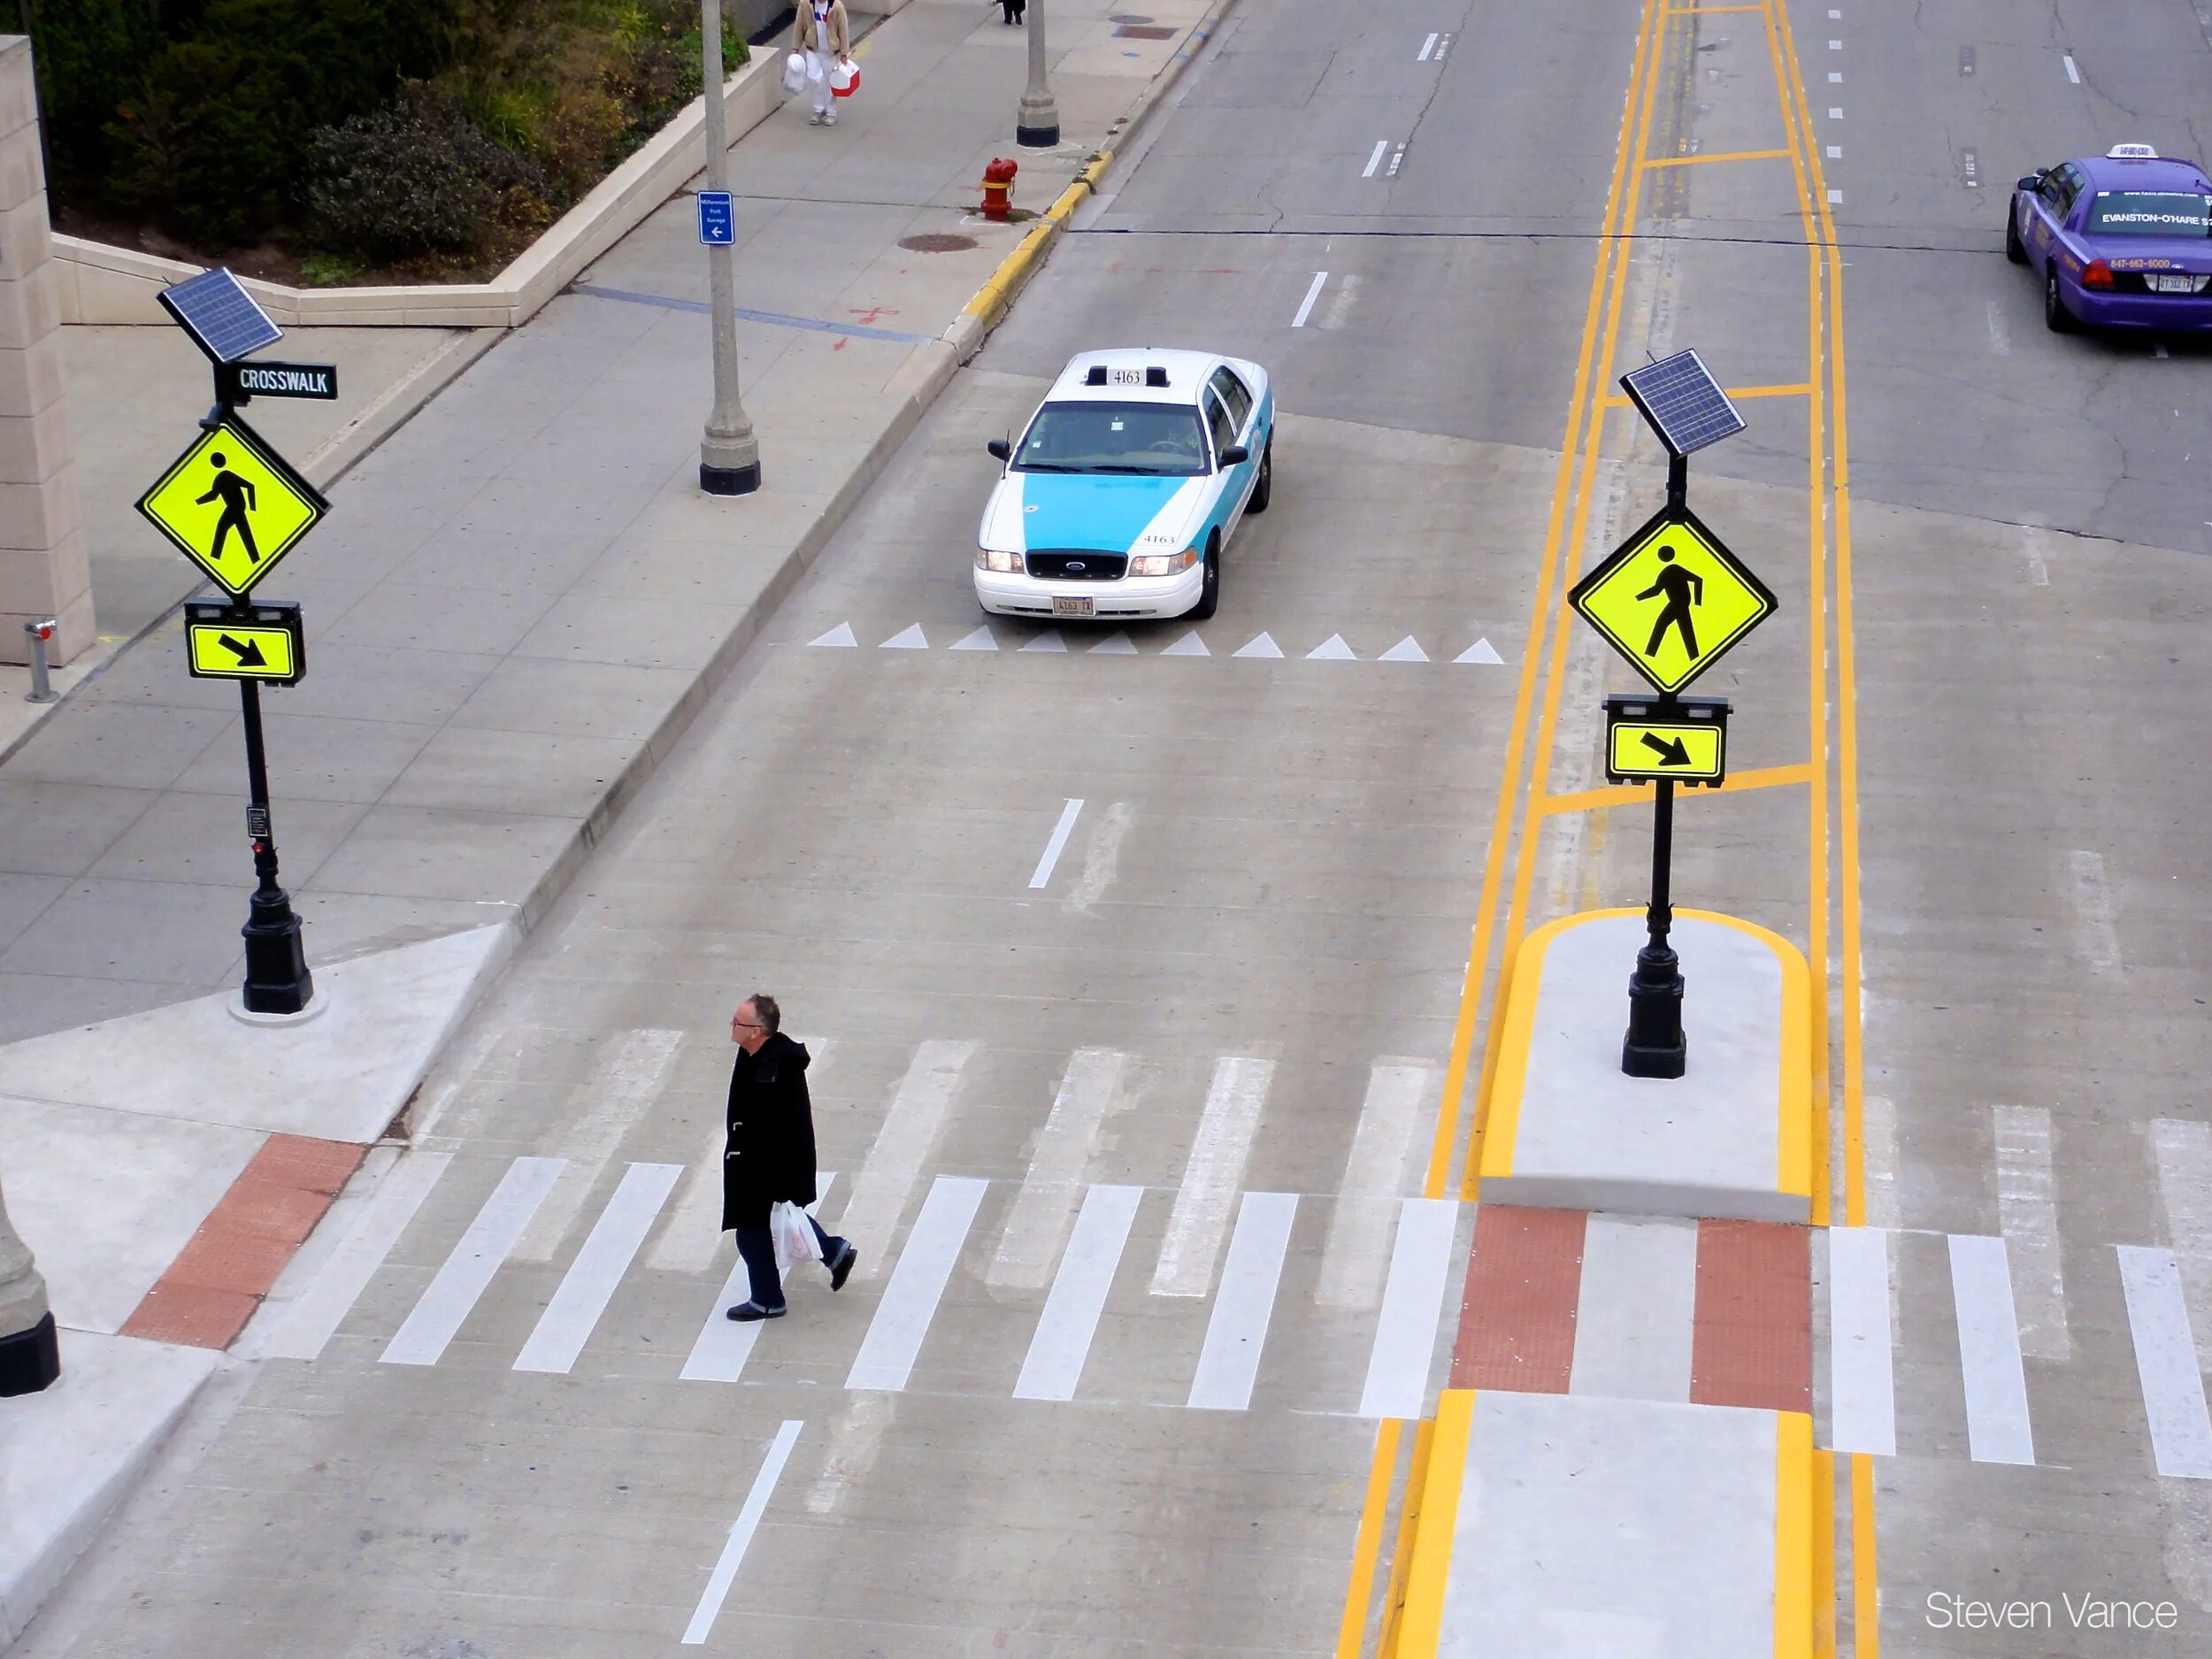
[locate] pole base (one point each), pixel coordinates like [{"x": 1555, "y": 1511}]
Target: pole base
[
  {"x": 30, "y": 1360},
  {"x": 277, "y": 979},
  {"x": 1037, "y": 137},
  {"x": 729, "y": 480},
  {"x": 1654, "y": 1046}
]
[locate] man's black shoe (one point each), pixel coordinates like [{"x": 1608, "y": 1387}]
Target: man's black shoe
[
  {"x": 843, "y": 1268},
  {"x": 746, "y": 1312}
]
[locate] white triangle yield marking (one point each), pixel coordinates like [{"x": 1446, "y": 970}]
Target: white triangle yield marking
[
  {"x": 1263, "y": 646},
  {"x": 1480, "y": 651},
  {"x": 842, "y": 634},
  {"x": 1406, "y": 650},
  {"x": 1116, "y": 644},
  {"x": 1048, "y": 640},
  {"x": 907, "y": 639},
  {"x": 1189, "y": 645},
  {"x": 981, "y": 640},
  {"x": 1333, "y": 649}
]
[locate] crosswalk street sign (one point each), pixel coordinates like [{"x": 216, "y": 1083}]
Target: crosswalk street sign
[
  {"x": 1652, "y": 740},
  {"x": 1672, "y": 599},
  {"x": 251, "y": 641},
  {"x": 233, "y": 506}
]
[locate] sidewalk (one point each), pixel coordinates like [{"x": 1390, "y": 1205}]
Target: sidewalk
[{"x": 516, "y": 605}]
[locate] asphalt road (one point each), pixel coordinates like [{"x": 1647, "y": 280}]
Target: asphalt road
[{"x": 1237, "y": 971}]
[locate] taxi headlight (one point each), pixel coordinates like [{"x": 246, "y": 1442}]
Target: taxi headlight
[
  {"x": 1163, "y": 564},
  {"x": 993, "y": 559}
]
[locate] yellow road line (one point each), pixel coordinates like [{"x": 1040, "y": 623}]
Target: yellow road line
[
  {"x": 1696, "y": 161},
  {"x": 1738, "y": 393},
  {"x": 1824, "y": 1556},
  {"x": 1428, "y": 1560},
  {"x": 1866, "y": 1605},
  {"x": 1366, "y": 1547},
  {"x": 1691, "y": 12},
  {"x": 1630, "y": 794},
  {"x": 1794, "y": 1554}
]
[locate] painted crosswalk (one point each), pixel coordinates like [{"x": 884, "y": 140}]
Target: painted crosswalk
[{"x": 1262, "y": 645}]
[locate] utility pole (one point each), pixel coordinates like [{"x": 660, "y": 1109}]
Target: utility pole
[
  {"x": 30, "y": 1353},
  {"x": 729, "y": 454},
  {"x": 1037, "y": 122}
]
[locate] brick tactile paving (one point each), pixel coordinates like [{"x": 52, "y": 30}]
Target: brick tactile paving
[
  {"x": 1753, "y": 1341},
  {"x": 191, "y": 1317},
  {"x": 1517, "y": 1321}
]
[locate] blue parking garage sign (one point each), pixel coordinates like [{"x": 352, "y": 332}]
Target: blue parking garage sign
[{"x": 717, "y": 220}]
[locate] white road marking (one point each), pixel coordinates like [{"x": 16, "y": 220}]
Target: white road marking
[
  {"x": 1480, "y": 651},
  {"x": 2027, "y": 1213},
  {"x": 1070, "y": 1321},
  {"x": 588, "y": 1286},
  {"x": 1039, "y": 1219},
  {"x": 1340, "y": 305},
  {"x": 1048, "y": 640},
  {"x": 842, "y": 634},
  {"x": 1999, "y": 336},
  {"x": 910, "y": 638},
  {"x": 1994, "y": 1379},
  {"x": 453, "y": 1293},
  {"x": 1374, "y": 1176},
  {"x": 1382, "y": 149},
  {"x": 2096, "y": 939},
  {"x": 1398, "y": 1365},
  {"x": 2166, "y": 1362},
  {"x": 2182, "y": 1149},
  {"x": 1189, "y": 645},
  {"x": 1835, "y": 16},
  {"x": 1406, "y": 650},
  {"x": 2072, "y": 74},
  {"x": 1835, "y": 77},
  {"x": 1333, "y": 649},
  {"x": 1427, "y": 46},
  {"x": 1305, "y": 306},
  {"x": 723, "y": 1345},
  {"x": 1835, "y": 114},
  {"x": 742, "y": 1531},
  {"x": 910, "y": 1130},
  {"x": 909, "y": 1302},
  {"x": 1210, "y": 1179},
  {"x": 1638, "y": 1309},
  {"x": 1043, "y": 872},
  {"x": 981, "y": 640},
  {"x": 628, "y": 1077},
  {"x": 1397, "y": 159},
  {"x": 1443, "y": 46},
  {"x": 1103, "y": 858},
  {"x": 315, "y": 1315},
  {"x": 1835, "y": 152},
  {"x": 1263, "y": 646},
  {"x": 1863, "y": 1386},
  {"x": 1116, "y": 644},
  {"x": 1835, "y": 198},
  {"x": 1835, "y": 46},
  {"x": 1229, "y": 1364}
]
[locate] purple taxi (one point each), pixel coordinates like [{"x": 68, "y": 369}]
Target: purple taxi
[{"x": 2118, "y": 241}]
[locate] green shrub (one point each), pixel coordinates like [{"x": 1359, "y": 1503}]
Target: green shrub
[{"x": 416, "y": 177}]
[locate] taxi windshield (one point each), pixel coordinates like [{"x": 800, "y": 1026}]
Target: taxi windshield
[
  {"x": 1141, "y": 440},
  {"x": 2150, "y": 213}
]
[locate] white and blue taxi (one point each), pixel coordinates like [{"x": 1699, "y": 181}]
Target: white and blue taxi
[{"x": 1118, "y": 498}]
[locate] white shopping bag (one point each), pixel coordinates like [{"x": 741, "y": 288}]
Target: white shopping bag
[
  {"x": 794, "y": 73},
  {"x": 793, "y": 1236}
]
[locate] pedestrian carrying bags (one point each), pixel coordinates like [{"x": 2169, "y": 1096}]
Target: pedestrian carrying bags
[
  {"x": 793, "y": 1236},
  {"x": 794, "y": 73}
]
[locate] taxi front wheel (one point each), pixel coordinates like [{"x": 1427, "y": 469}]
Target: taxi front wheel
[
  {"x": 2014, "y": 251},
  {"x": 1210, "y": 587}
]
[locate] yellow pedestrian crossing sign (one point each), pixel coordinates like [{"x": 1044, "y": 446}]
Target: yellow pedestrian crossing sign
[
  {"x": 1672, "y": 599},
  {"x": 233, "y": 506}
]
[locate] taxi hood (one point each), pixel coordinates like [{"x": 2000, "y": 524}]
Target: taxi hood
[{"x": 1100, "y": 512}]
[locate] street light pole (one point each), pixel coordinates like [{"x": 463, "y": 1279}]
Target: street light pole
[
  {"x": 30, "y": 1353},
  {"x": 1037, "y": 122},
  {"x": 729, "y": 454}
]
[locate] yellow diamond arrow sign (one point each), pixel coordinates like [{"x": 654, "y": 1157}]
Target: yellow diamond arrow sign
[
  {"x": 1672, "y": 599},
  {"x": 233, "y": 506}
]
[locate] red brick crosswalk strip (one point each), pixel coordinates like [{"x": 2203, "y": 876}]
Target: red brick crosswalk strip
[
  {"x": 1518, "y": 1327},
  {"x": 1753, "y": 1344}
]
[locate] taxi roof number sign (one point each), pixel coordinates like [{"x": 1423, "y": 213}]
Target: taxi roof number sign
[
  {"x": 1672, "y": 599},
  {"x": 233, "y": 506}
]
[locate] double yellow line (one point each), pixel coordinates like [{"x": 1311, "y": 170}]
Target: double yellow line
[{"x": 1530, "y": 744}]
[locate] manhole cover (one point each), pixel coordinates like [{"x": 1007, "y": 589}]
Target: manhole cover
[
  {"x": 1139, "y": 32},
  {"x": 936, "y": 241}
]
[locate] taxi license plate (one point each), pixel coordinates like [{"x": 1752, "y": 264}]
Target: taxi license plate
[
  {"x": 1072, "y": 607},
  {"x": 2163, "y": 282}
]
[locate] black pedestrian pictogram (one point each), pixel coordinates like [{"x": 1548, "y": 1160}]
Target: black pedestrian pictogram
[
  {"x": 237, "y": 497},
  {"x": 1683, "y": 590}
]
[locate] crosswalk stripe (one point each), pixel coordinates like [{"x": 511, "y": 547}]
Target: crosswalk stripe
[
  {"x": 1861, "y": 1362},
  {"x": 2027, "y": 1213},
  {"x": 1636, "y": 1315},
  {"x": 722, "y": 1346},
  {"x": 1070, "y": 1320},
  {"x": 2166, "y": 1362},
  {"x": 2183, "y": 1151},
  {"x": 588, "y": 1286},
  {"x": 741, "y": 1531},
  {"x": 1994, "y": 1378},
  {"x": 1229, "y": 1363},
  {"x": 901, "y": 1145},
  {"x": 1039, "y": 1219},
  {"x": 452, "y": 1294},
  {"x": 314, "y": 1317},
  {"x": 615, "y": 1091},
  {"x": 1359, "y": 1222},
  {"x": 1212, "y": 1177},
  {"x": 1412, "y": 1310},
  {"x": 909, "y": 1302}
]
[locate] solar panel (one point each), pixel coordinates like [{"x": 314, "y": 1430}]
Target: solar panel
[
  {"x": 1683, "y": 402},
  {"x": 224, "y": 320}
]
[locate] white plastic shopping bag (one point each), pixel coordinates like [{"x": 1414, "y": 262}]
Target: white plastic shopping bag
[
  {"x": 793, "y": 1236},
  {"x": 794, "y": 73}
]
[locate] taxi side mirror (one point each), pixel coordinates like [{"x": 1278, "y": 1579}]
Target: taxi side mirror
[
  {"x": 1000, "y": 449},
  {"x": 1235, "y": 455},
  {"x": 2030, "y": 181}
]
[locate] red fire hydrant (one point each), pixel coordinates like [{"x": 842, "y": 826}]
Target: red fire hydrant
[{"x": 998, "y": 190}]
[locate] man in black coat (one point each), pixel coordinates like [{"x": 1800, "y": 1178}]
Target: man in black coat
[{"x": 769, "y": 1158}]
